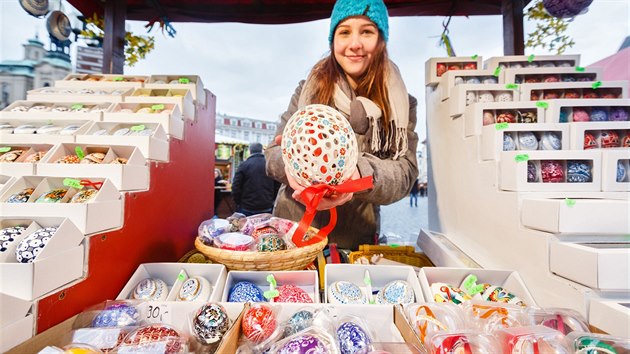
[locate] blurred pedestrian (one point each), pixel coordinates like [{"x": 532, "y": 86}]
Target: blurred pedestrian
[
  {"x": 219, "y": 184},
  {"x": 413, "y": 196},
  {"x": 253, "y": 191}
]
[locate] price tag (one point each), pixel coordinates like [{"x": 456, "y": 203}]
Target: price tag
[
  {"x": 118, "y": 78},
  {"x": 184, "y": 80},
  {"x": 5, "y": 149},
  {"x": 155, "y": 312},
  {"x": 521, "y": 157},
  {"x": 570, "y": 202},
  {"x": 530, "y": 58},
  {"x": 497, "y": 70},
  {"x": 579, "y": 69},
  {"x": 79, "y": 152},
  {"x": 501, "y": 126},
  {"x": 542, "y": 104},
  {"x": 76, "y": 106},
  {"x": 596, "y": 84},
  {"x": 511, "y": 86},
  {"x": 73, "y": 183},
  {"x": 474, "y": 57},
  {"x": 137, "y": 128},
  {"x": 157, "y": 107}
]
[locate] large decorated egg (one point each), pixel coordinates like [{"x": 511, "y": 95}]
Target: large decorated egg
[
  {"x": 590, "y": 142},
  {"x": 8, "y": 235},
  {"x": 303, "y": 344},
  {"x": 550, "y": 141},
  {"x": 353, "y": 338},
  {"x": 618, "y": 114},
  {"x": 258, "y": 323},
  {"x": 298, "y": 322},
  {"x": 194, "y": 289},
  {"x": 345, "y": 292},
  {"x": 292, "y": 293},
  {"x": 157, "y": 338},
  {"x": 579, "y": 172},
  {"x": 271, "y": 243},
  {"x": 527, "y": 141},
  {"x": 20, "y": 197},
  {"x": 152, "y": 289},
  {"x": 117, "y": 315},
  {"x": 245, "y": 291},
  {"x": 508, "y": 142},
  {"x": 319, "y": 146},
  {"x": 608, "y": 139},
  {"x": 396, "y": 292},
  {"x": 499, "y": 294},
  {"x": 28, "y": 249},
  {"x": 210, "y": 323},
  {"x": 621, "y": 171},
  {"x": 552, "y": 171}
]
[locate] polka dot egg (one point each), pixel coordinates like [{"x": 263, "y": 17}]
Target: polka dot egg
[
  {"x": 8, "y": 235},
  {"x": 319, "y": 146},
  {"x": 33, "y": 244}
]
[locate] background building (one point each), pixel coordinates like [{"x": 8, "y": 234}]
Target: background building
[{"x": 248, "y": 129}]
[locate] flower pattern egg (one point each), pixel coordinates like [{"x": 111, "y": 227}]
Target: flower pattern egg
[
  {"x": 194, "y": 289},
  {"x": 551, "y": 171},
  {"x": 598, "y": 115},
  {"x": 396, "y": 292},
  {"x": 508, "y": 142},
  {"x": 151, "y": 289},
  {"x": 52, "y": 196},
  {"x": 83, "y": 196},
  {"x": 532, "y": 172},
  {"x": 527, "y": 141},
  {"x": 259, "y": 322},
  {"x": 28, "y": 249},
  {"x": 298, "y": 322},
  {"x": 292, "y": 293},
  {"x": 210, "y": 323},
  {"x": 353, "y": 338},
  {"x": 550, "y": 141},
  {"x": 271, "y": 243},
  {"x": 580, "y": 115},
  {"x": 8, "y": 235},
  {"x": 506, "y": 117},
  {"x": 503, "y": 97},
  {"x": 319, "y": 146},
  {"x": 579, "y": 172},
  {"x": 169, "y": 339},
  {"x": 245, "y": 291},
  {"x": 117, "y": 315},
  {"x": 303, "y": 344},
  {"x": 345, "y": 292}
]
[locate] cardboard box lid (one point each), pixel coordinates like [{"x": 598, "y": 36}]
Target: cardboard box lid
[{"x": 12, "y": 309}]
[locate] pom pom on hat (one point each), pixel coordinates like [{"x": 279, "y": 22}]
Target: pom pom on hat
[{"x": 375, "y": 10}]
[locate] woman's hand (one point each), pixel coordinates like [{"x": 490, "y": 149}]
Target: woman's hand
[{"x": 328, "y": 201}]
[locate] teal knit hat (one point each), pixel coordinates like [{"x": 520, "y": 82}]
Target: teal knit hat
[{"x": 374, "y": 9}]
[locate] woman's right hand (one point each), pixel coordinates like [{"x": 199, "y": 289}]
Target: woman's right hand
[{"x": 327, "y": 202}]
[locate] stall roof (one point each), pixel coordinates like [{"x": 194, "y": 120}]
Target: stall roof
[{"x": 279, "y": 11}]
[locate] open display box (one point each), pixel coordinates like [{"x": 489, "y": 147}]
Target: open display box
[
  {"x": 306, "y": 280},
  {"x": 519, "y": 138},
  {"x": 532, "y": 61},
  {"x": 27, "y": 131},
  {"x": 181, "y": 97},
  {"x": 187, "y": 82},
  {"x": 551, "y": 74},
  {"x": 104, "y": 211},
  {"x": 175, "y": 274},
  {"x": 563, "y": 110},
  {"x": 24, "y": 110},
  {"x": 131, "y": 175},
  {"x": 478, "y": 115},
  {"x": 611, "y": 314},
  {"x": 509, "y": 280},
  {"x": 380, "y": 276},
  {"x": 17, "y": 321},
  {"x": 559, "y": 171},
  {"x": 453, "y": 78},
  {"x": 168, "y": 115},
  {"x": 149, "y": 138},
  {"x": 574, "y": 90},
  {"x": 101, "y": 80},
  {"x": 25, "y": 164},
  {"x": 58, "y": 263},
  {"x": 434, "y": 68},
  {"x": 465, "y": 95},
  {"x": 71, "y": 95}
]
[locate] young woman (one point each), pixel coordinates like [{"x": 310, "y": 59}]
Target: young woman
[{"x": 359, "y": 80}]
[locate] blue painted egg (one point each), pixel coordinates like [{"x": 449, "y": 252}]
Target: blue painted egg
[
  {"x": 353, "y": 339},
  {"x": 598, "y": 115},
  {"x": 298, "y": 322},
  {"x": 396, "y": 292},
  {"x": 508, "y": 142},
  {"x": 8, "y": 235},
  {"x": 579, "y": 172},
  {"x": 28, "y": 249},
  {"x": 246, "y": 291},
  {"x": 345, "y": 292},
  {"x": 550, "y": 141},
  {"x": 117, "y": 315},
  {"x": 621, "y": 171}
]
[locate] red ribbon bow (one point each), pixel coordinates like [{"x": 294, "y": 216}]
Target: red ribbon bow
[{"x": 312, "y": 196}]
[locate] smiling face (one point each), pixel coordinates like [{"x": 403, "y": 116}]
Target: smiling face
[{"x": 354, "y": 44}]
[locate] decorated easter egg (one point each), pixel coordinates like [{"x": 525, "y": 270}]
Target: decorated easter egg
[
  {"x": 567, "y": 78},
  {"x": 532, "y": 79},
  {"x": 28, "y": 249},
  {"x": 488, "y": 117},
  {"x": 551, "y": 94},
  {"x": 83, "y": 195},
  {"x": 527, "y": 117},
  {"x": 259, "y": 322},
  {"x": 608, "y": 139},
  {"x": 550, "y": 141},
  {"x": 34, "y": 157},
  {"x": 590, "y": 142},
  {"x": 298, "y": 322},
  {"x": 11, "y": 156},
  {"x": 234, "y": 241},
  {"x": 508, "y": 142},
  {"x": 551, "y": 78},
  {"x": 263, "y": 231},
  {"x": 580, "y": 115},
  {"x": 152, "y": 289},
  {"x": 532, "y": 172},
  {"x": 551, "y": 171},
  {"x": 117, "y": 315},
  {"x": 590, "y": 94},
  {"x": 470, "y": 66},
  {"x": 154, "y": 338},
  {"x": 447, "y": 293},
  {"x": 68, "y": 159},
  {"x": 271, "y": 243},
  {"x": 210, "y": 323},
  {"x": 563, "y": 117},
  {"x": 454, "y": 66},
  {"x": 52, "y": 196},
  {"x": 579, "y": 172},
  {"x": 304, "y": 344},
  {"x": 319, "y": 146},
  {"x": 440, "y": 69},
  {"x": 458, "y": 80},
  {"x": 618, "y": 114},
  {"x": 609, "y": 94},
  {"x": 473, "y": 80},
  {"x": 353, "y": 338},
  {"x": 621, "y": 172},
  {"x": 598, "y": 115},
  {"x": 396, "y": 292},
  {"x": 194, "y": 289},
  {"x": 292, "y": 293},
  {"x": 20, "y": 197},
  {"x": 471, "y": 97},
  {"x": 503, "y": 97},
  {"x": 527, "y": 141},
  {"x": 625, "y": 142},
  {"x": 95, "y": 157},
  {"x": 499, "y": 294},
  {"x": 485, "y": 96},
  {"x": 345, "y": 292},
  {"x": 8, "y": 235},
  {"x": 506, "y": 117},
  {"x": 245, "y": 291}
]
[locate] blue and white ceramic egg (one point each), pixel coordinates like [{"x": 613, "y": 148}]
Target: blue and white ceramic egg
[
  {"x": 508, "y": 142},
  {"x": 8, "y": 235},
  {"x": 345, "y": 292},
  {"x": 28, "y": 249},
  {"x": 396, "y": 292},
  {"x": 550, "y": 141},
  {"x": 353, "y": 338},
  {"x": 245, "y": 291},
  {"x": 621, "y": 171},
  {"x": 579, "y": 172},
  {"x": 117, "y": 315}
]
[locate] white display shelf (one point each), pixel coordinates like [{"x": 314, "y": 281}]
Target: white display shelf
[
  {"x": 55, "y": 111},
  {"x": 12, "y": 138},
  {"x": 19, "y": 167},
  {"x": 578, "y": 130},
  {"x": 474, "y": 114},
  {"x": 443, "y": 252},
  {"x": 492, "y": 138},
  {"x": 181, "y": 97},
  {"x": 17, "y": 321},
  {"x": 616, "y": 178},
  {"x": 431, "y": 74},
  {"x": 72, "y": 95},
  {"x": 524, "y": 61},
  {"x": 101, "y": 80}
]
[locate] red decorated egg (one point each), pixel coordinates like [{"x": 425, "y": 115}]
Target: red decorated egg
[
  {"x": 153, "y": 338},
  {"x": 589, "y": 141},
  {"x": 440, "y": 69},
  {"x": 608, "y": 139},
  {"x": 571, "y": 94},
  {"x": 552, "y": 171},
  {"x": 625, "y": 142},
  {"x": 319, "y": 146},
  {"x": 259, "y": 322},
  {"x": 470, "y": 66},
  {"x": 292, "y": 293}
]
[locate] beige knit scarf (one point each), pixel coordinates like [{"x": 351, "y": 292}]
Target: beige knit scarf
[{"x": 394, "y": 143}]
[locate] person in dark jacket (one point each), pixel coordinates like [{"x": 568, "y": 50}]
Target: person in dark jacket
[{"x": 253, "y": 191}]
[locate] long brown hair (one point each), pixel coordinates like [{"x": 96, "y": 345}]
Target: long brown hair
[{"x": 371, "y": 85}]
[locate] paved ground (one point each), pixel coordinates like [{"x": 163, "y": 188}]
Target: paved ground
[{"x": 401, "y": 223}]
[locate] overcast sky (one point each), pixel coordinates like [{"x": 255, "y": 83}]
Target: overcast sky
[{"x": 254, "y": 69}]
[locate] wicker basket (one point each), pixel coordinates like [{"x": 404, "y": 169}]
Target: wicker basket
[
  {"x": 293, "y": 259},
  {"x": 401, "y": 254}
]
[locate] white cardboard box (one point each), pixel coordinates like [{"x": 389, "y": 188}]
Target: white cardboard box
[
  {"x": 101, "y": 80},
  {"x": 171, "y": 121},
  {"x": 194, "y": 84},
  {"x": 578, "y": 130},
  {"x": 514, "y": 61},
  {"x": 466, "y": 94},
  {"x": 452, "y": 63},
  {"x": 17, "y": 321},
  {"x": 562, "y": 74},
  {"x": 578, "y": 90},
  {"x": 10, "y": 138},
  {"x": 71, "y": 95},
  {"x": 514, "y": 170},
  {"x": 73, "y": 111},
  {"x": 306, "y": 280},
  {"x": 616, "y": 178},
  {"x": 59, "y": 262},
  {"x": 182, "y": 97},
  {"x": 453, "y": 78},
  {"x": 565, "y": 106},
  {"x": 134, "y": 175},
  {"x": 442, "y": 251},
  {"x": 380, "y": 276},
  {"x": 576, "y": 216},
  {"x": 493, "y": 135},
  {"x": 153, "y": 147},
  {"x": 507, "y": 279},
  {"x": 5, "y": 180},
  {"x": 601, "y": 266},
  {"x": 103, "y": 212},
  {"x": 171, "y": 274},
  {"x": 19, "y": 167},
  {"x": 611, "y": 315},
  {"x": 474, "y": 113}
]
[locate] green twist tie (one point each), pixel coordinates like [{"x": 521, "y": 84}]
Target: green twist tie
[
  {"x": 76, "y": 106},
  {"x": 137, "y": 128},
  {"x": 596, "y": 84},
  {"x": 272, "y": 292},
  {"x": 511, "y": 86},
  {"x": 474, "y": 57},
  {"x": 394, "y": 245},
  {"x": 366, "y": 278},
  {"x": 5, "y": 149},
  {"x": 497, "y": 70},
  {"x": 501, "y": 126},
  {"x": 181, "y": 277},
  {"x": 79, "y": 152},
  {"x": 73, "y": 183},
  {"x": 156, "y": 107},
  {"x": 118, "y": 78},
  {"x": 521, "y": 157},
  {"x": 470, "y": 285},
  {"x": 184, "y": 80},
  {"x": 570, "y": 202},
  {"x": 272, "y": 280},
  {"x": 542, "y": 104},
  {"x": 579, "y": 69},
  {"x": 530, "y": 58}
]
